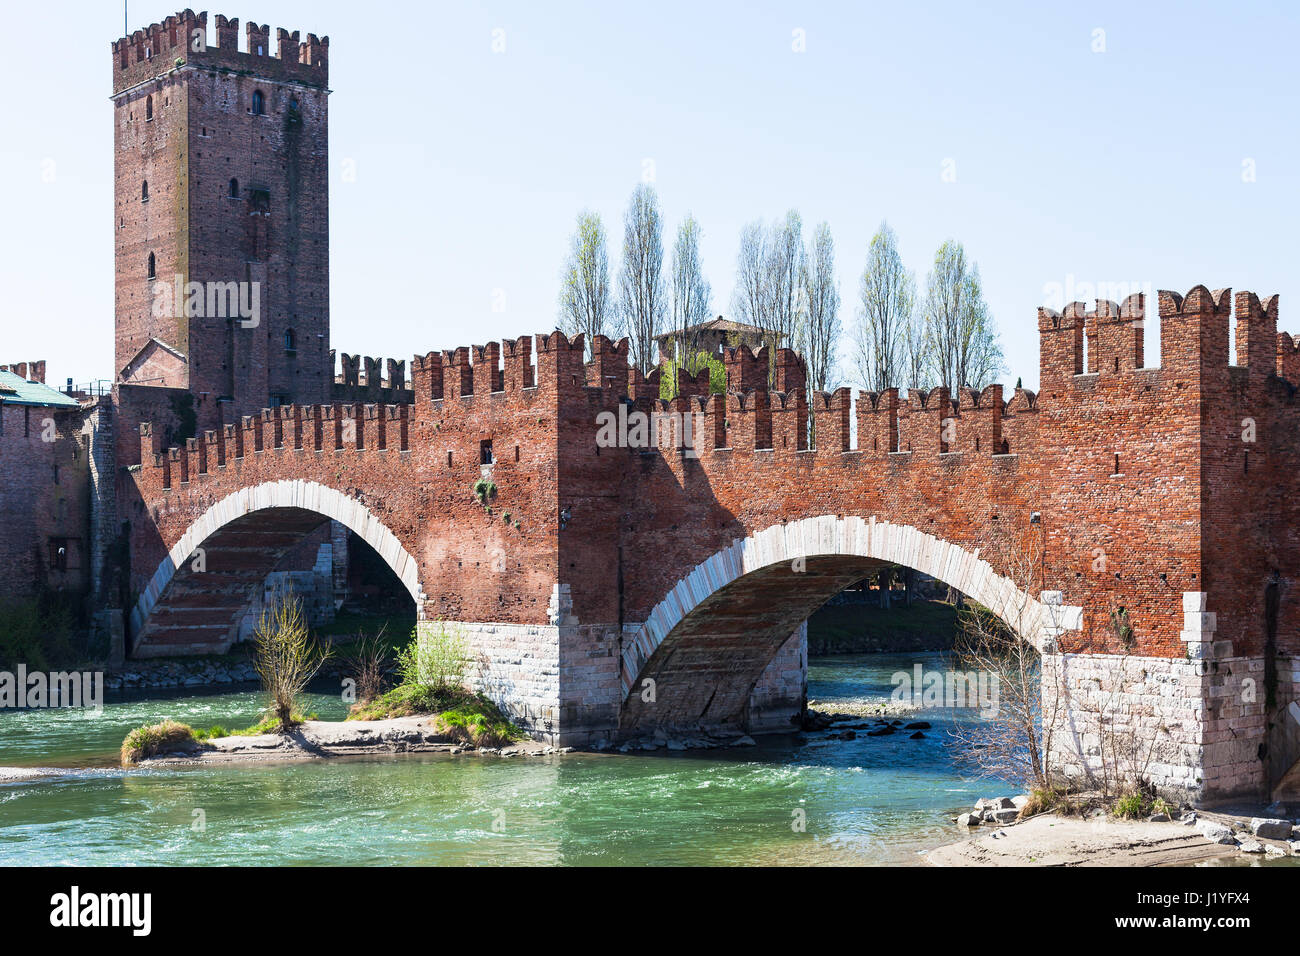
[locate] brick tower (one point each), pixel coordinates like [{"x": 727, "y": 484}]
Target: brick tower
[{"x": 221, "y": 215}]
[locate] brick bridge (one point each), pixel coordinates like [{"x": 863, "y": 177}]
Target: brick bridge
[{"x": 1160, "y": 505}]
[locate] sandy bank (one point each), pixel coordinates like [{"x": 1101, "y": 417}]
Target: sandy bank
[{"x": 1051, "y": 840}]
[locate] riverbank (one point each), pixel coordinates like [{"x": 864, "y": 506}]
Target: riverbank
[{"x": 1053, "y": 840}]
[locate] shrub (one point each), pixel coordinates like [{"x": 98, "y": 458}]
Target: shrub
[
  {"x": 287, "y": 657},
  {"x": 1040, "y": 801},
  {"x": 436, "y": 660},
  {"x": 153, "y": 739},
  {"x": 480, "y": 722}
]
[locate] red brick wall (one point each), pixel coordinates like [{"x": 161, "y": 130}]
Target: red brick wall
[
  {"x": 35, "y": 508},
  {"x": 1180, "y": 503}
]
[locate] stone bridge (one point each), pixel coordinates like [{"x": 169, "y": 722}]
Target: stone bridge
[{"x": 623, "y": 564}]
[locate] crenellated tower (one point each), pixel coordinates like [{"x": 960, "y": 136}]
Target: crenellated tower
[{"x": 221, "y": 218}]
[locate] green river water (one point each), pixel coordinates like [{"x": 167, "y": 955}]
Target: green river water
[{"x": 870, "y": 800}]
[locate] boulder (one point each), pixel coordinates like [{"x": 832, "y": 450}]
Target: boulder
[
  {"x": 918, "y": 725},
  {"x": 1158, "y": 818},
  {"x": 1005, "y": 815},
  {"x": 968, "y": 820},
  {"x": 1216, "y": 832},
  {"x": 1270, "y": 829},
  {"x": 1019, "y": 801},
  {"x": 745, "y": 741},
  {"x": 1252, "y": 846},
  {"x": 917, "y": 736}
]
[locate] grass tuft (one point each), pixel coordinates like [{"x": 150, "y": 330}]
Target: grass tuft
[{"x": 153, "y": 739}]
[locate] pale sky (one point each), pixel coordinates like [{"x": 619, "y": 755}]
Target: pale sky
[{"x": 1071, "y": 166}]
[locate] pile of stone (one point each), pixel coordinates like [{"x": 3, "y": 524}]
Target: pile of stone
[
  {"x": 661, "y": 741},
  {"x": 997, "y": 811},
  {"x": 199, "y": 672},
  {"x": 1250, "y": 837}
]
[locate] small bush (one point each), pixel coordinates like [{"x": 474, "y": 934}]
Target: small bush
[
  {"x": 437, "y": 660},
  {"x": 479, "y": 722},
  {"x": 1040, "y": 801},
  {"x": 153, "y": 739}
]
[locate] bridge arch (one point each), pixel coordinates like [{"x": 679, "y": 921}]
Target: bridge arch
[
  {"x": 282, "y": 497},
  {"x": 748, "y": 598}
]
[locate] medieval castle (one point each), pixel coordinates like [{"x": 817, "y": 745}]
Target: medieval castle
[{"x": 1158, "y": 499}]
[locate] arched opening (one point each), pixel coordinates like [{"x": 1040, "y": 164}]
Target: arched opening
[
  {"x": 259, "y": 103},
  {"x": 703, "y": 658},
  {"x": 144, "y": 190},
  {"x": 350, "y": 573},
  {"x": 151, "y": 267},
  {"x": 148, "y": 108},
  {"x": 234, "y": 188}
]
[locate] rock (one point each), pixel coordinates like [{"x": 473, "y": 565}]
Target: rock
[
  {"x": 1158, "y": 818},
  {"x": 1295, "y": 847},
  {"x": 968, "y": 820},
  {"x": 1272, "y": 849},
  {"x": 982, "y": 803},
  {"x": 918, "y": 725},
  {"x": 1004, "y": 803},
  {"x": 1187, "y": 819},
  {"x": 1270, "y": 829},
  {"x": 916, "y": 736},
  {"x": 747, "y": 741},
  {"x": 849, "y": 735},
  {"x": 1252, "y": 846},
  {"x": 650, "y": 745},
  {"x": 1006, "y": 815},
  {"x": 1216, "y": 832},
  {"x": 880, "y": 732},
  {"x": 676, "y": 745},
  {"x": 1019, "y": 801}
]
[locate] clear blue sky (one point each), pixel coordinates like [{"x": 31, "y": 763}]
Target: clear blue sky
[{"x": 1120, "y": 166}]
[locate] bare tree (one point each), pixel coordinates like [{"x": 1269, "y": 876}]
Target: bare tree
[
  {"x": 692, "y": 295},
  {"x": 1015, "y": 744},
  {"x": 643, "y": 300},
  {"x": 961, "y": 343},
  {"x": 749, "y": 302},
  {"x": 585, "y": 301},
  {"x": 287, "y": 657},
  {"x": 820, "y": 326},
  {"x": 786, "y": 262},
  {"x": 885, "y": 345}
]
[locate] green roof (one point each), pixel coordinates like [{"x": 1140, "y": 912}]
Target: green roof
[{"x": 15, "y": 390}]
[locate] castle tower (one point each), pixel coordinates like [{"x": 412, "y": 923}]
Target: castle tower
[{"x": 221, "y": 215}]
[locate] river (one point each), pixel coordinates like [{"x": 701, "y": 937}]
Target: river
[{"x": 878, "y": 800}]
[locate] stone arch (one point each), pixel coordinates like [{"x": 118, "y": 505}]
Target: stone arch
[
  {"x": 295, "y": 494},
  {"x": 850, "y": 541}
]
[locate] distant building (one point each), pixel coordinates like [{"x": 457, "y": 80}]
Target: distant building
[
  {"x": 44, "y": 486},
  {"x": 711, "y": 336}
]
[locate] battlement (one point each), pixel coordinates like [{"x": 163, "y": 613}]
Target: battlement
[
  {"x": 760, "y": 411},
  {"x": 1194, "y": 335},
  {"x": 285, "y": 428},
  {"x": 182, "y": 39},
  {"x": 360, "y": 378},
  {"x": 28, "y": 371}
]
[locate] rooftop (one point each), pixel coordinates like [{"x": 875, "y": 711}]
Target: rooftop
[{"x": 16, "y": 390}]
